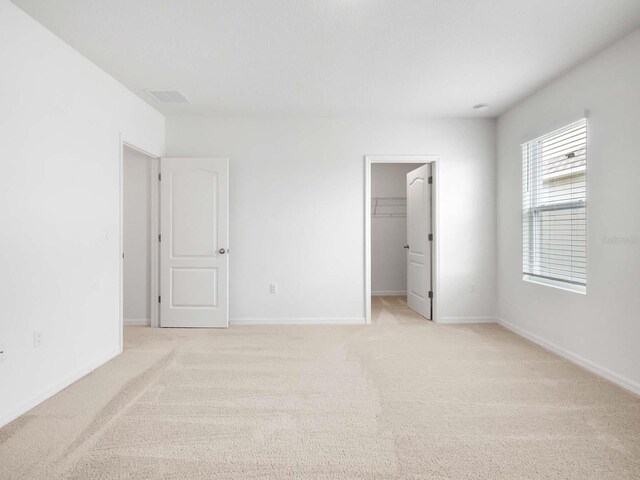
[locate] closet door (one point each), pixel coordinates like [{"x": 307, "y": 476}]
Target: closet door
[{"x": 418, "y": 240}]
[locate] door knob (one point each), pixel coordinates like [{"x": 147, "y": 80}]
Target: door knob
[
  {"x": 406, "y": 246},
  {"x": 222, "y": 251}
]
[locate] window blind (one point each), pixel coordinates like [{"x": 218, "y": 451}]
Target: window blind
[{"x": 554, "y": 204}]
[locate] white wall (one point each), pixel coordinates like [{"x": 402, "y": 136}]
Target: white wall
[
  {"x": 297, "y": 209},
  {"x": 389, "y": 234},
  {"x": 137, "y": 240},
  {"x": 60, "y": 118},
  {"x": 601, "y": 329}
]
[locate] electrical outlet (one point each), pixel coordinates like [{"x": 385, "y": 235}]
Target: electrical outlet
[
  {"x": 3, "y": 352},
  {"x": 472, "y": 288},
  {"x": 37, "y": 338},
  {"x": 273, "y": 288}
]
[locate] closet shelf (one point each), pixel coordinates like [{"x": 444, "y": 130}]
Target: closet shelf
[{"x": 388, "y": 207}]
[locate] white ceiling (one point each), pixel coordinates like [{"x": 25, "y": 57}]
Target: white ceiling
[{"x": 337, "y": 57}]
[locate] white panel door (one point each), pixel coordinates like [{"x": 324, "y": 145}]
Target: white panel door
[
  {"x": 194, "y": 260},
  {"x": 418, "y": 243}
]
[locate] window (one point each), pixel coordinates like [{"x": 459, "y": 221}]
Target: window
[{"x": 554, "y": 208}]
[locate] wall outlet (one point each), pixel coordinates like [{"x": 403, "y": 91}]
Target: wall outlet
[
  {"x": 37, "y": 338},
  {"x": 472, "y": 288},
  {"x": 273, "y": 288},
  {"x": 3, "y": 352}
]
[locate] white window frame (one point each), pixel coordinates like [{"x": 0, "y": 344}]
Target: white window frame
[{"x": 535, "y": 209}]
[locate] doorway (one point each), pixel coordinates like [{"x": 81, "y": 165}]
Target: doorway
[
  {"x": 400, "y": 239},
  {"x": 139, "y": 209}
]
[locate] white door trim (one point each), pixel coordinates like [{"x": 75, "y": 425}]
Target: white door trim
[
  {"x": 154, "y": 287},
  {"x": 368, "y": 161}
]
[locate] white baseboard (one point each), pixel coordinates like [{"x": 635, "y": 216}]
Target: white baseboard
[
  {"x": 298, "y": 321},
  {"x": 593, "y": 367},
  {"x": 37, "y": 399},
  {"x": 386, "y": 293},
  {"x": 466, "y": 320},
  {"x": 137, "y": 321}
]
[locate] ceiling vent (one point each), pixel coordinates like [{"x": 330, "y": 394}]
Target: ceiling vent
[{"x": 168, "y": 96}]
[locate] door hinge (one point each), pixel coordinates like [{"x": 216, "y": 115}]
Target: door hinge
[
  {"x": 430, "y": 294},
  {"x": 159, "y": 299},
  {"x": 430, "y": 180},
  {"x": 431, "y": 237},
  {"x": 122, "y": 254},
  {"x": 159, "y": 177},
  {"x": 159, "y": 237}
]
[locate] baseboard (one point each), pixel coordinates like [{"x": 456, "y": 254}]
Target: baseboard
[
  {"x": 467, "y": 320},
  {"x": 388, "y": 293},
  {"x": 137, "y": 321},
  {"x": 37, "y": 399},
  {"x": 298, "y": 321},
  {"x": 593, "y": 367}
]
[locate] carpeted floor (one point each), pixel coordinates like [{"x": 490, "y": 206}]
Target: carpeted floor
[{"x": 401, "y": 399}]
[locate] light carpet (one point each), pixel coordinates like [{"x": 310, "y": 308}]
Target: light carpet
[{"x": 403, "y": 399}]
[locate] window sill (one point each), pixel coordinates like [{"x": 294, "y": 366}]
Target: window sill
[{"x": 569, "y": 287}]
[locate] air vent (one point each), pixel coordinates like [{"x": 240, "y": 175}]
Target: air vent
[{"x": 168, "y": 96}]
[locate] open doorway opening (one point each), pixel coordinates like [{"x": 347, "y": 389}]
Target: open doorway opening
[
  {"x": 400, "y": 239},
  {"x": 139, "y": 214}
]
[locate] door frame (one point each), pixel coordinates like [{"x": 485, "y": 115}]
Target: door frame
[
  {"x": 435, "y": 205},
  {"x": 154, "y": 192}
]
